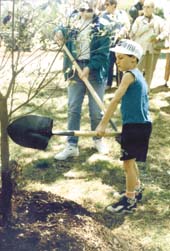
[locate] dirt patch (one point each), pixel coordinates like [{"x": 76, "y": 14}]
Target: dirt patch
[{"x": 43, "y": 221}]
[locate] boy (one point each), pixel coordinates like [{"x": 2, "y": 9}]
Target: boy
[{"x": 136, "y": 128}]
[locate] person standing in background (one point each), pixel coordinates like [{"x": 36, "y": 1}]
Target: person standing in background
[
  {"x": 118, "y": 25},
  {"x": 7, "y": 18},
  {"x": 136, "y": 10},
  {"x": 149, "y": 31},
  {"x": 167, "y": 66}
]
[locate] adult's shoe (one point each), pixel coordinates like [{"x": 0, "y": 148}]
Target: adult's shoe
[
  {"x": 69, "y": 151},
  {"x": 100, "y": 146}
]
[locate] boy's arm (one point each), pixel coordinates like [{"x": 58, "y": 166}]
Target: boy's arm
[{"x": 127, "y": 80}]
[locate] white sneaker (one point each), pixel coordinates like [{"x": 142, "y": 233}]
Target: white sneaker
[
  {"x": 69, "y": 151},
  {"x": 101, "y": 146}
]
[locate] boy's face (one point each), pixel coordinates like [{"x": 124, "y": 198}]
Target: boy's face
[{"x": 125, "y": 62}]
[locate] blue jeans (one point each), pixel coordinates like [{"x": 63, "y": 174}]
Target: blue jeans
[{"x": 76, "y": 93}]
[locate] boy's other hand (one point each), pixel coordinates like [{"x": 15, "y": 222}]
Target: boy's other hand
[{"x": 100, "y": 130}]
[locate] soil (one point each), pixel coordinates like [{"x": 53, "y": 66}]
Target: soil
[{"x": 43, "y": 221}]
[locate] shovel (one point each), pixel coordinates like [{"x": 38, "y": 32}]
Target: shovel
[{"x": 34, "y": 131}]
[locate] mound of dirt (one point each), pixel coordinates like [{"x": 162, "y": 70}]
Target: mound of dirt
[{"x": 43, "y": 222}]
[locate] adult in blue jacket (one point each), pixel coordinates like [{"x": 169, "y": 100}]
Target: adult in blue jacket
[{"x": 88, "y": 42}]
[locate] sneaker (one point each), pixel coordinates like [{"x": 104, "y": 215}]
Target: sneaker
[
  {"x": 69, "y": 151},
  {"x": 139, "y": 192},
  {"x": 100, "y": 146},
  {"x": 138, "y": 195},
  {"x": 125, "y": 205}
]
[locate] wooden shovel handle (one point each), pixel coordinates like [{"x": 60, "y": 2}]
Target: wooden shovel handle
[{"x": 83, "y": 133}]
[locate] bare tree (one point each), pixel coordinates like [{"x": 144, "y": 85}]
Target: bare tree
[
  {"x": 23, "y": 78},
  {"x": 17, "y": 67}
]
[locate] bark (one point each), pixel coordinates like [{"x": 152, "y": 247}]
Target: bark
[{"x": 6, "y": 191}]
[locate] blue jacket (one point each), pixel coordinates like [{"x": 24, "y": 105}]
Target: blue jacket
[{"x": 99, "y": 50}]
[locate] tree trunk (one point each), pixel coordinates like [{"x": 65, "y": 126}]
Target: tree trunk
[{"x": 6, "y": 192}]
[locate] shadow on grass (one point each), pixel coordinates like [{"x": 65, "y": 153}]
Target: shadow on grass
[
  {"x": 161, "y": 88},
  {"x": 109, "y": 220},
  {"x": 48, "y": 170},
  {"x": 166, "y": 109},
  {"x": 154, "y": 208},
  {"x": 45, "y": 171}
]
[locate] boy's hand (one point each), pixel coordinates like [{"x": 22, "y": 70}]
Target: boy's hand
[{"x": 100, "y": 130}]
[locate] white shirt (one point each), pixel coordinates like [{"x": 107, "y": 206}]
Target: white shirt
[{"x": 83, "y": 40}]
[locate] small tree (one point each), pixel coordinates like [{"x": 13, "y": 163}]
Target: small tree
[{"x": 17, "y": 65}]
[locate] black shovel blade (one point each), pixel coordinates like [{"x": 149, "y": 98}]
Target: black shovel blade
[{"x": 31, "y": 131}]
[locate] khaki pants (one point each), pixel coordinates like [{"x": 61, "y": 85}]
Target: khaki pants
[
  {"x": 167, "y": 67},
  {"x": 148, "y": 65}
]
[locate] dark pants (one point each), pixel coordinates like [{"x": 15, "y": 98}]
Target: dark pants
[
  {"x": 135, "y": 141},
  {"x": 112, "y": 62}
]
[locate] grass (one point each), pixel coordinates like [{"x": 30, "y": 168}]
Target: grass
[{"x": 91, "y": 179}]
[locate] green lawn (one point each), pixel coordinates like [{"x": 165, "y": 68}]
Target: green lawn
[{"x": 91, "y": 179}]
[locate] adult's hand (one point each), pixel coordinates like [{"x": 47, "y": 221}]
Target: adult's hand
[
  {"x": 85, "y": 73},
  {"x": 59, "y": 38}
]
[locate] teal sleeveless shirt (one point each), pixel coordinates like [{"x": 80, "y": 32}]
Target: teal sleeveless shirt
[{"x": 135, "y": 103}]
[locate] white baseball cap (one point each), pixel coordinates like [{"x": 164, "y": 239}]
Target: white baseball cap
[{"x": 129, "y": 47}]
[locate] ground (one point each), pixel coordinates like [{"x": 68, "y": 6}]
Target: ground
[
  {"x": 47, "y": 222},
  {"x": 60, "y": 205}
]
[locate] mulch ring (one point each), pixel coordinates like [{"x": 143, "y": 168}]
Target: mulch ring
[{"x": 43, "y": 221}]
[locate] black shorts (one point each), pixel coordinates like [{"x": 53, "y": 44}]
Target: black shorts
[{"x": 135, "y": 141}]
